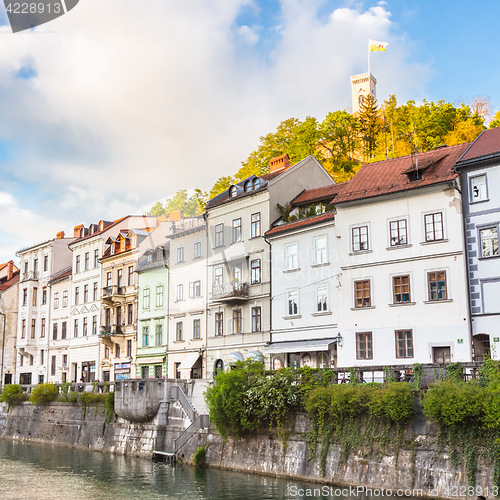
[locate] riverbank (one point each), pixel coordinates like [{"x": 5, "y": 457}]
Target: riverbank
[{"x": 418, "y": 465}]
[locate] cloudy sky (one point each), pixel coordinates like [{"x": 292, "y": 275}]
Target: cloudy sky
[{"x": 120, "y": 103}]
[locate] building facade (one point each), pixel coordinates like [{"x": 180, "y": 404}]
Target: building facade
[{"x": 362, "y": 86}]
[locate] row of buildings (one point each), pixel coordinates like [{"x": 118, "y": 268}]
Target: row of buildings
[{"x": 398, "y": 265}]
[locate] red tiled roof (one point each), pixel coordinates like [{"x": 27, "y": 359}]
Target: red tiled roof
[
  {"x": 310, "y": 221},
  {"x": 13, "y": 281},
  {"x": 117, "y": 221},
  {"x": 388, "y": 176},
  {"x": 488, "y": 143},
  {"x": 317, "y": 194},
  {"x": 63, "y": 273}
]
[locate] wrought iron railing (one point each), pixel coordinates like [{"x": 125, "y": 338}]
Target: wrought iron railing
[{"x": 230, "y": 290}]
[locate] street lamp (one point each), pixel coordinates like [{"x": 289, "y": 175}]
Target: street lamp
[{"x": 3, "y": 347}]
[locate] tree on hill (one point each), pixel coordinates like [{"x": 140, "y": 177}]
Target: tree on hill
[
  {"x": 496, "y": 121},
  {"x": 180, "y": 201},
  {"x": 369, "y": 126}
]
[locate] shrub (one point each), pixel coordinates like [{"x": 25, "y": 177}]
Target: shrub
[
  {"x": 90, "y": 399},
  {"x": 109, "y": 404},
  {"x": 199, "y": 457},
  {"x": 13, "y": 394},
  {"x": 65, "y": 387},
  {"x": 44, "y": 393},
  {"x": 393, "y": 402},
  {"x": 72, "y": 397}
]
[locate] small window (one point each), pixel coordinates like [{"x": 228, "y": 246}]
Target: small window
[
  {"x": 44, "y": 295},
  {"x": 401, "y": 289},
  {"x": 87, "y": 261},
  {"x": 130, "y": 275},
  {"x": 399, "y": 232},
  {"x": 65, "y": 298},
  {"x": 292, "y": 256},
  {"x": 42, "y": 331},
  {"x": 120, "y": 277},
  {"x": 56, "y": 299},
  {"x": 159, "y": 296},
  {"x": 85, "y": 327},
  {"x": 179, "y": 292},
  {"x": 94, "y": 325},
  {"x": 256, "y": 319},
  {"x": 478, "y": 189},
  {"x": 35, "y": 295},
  {"x": 359, "y": 238},
  {"x": 96, "y": 257},
  {"x": 197, "y": 250},
  {"x": 362, "y": 295},
  {"x": 64, "y": 329},
  {"x": 489, "y": 241},
  {"x": 77, "y": 264},
  {"x": 130, "y": 314},
  {"x": 219, "y": 235},
  {"x": 255, "y": 271},
  {"x": 180, "y": 254},
  {"x": 237, "y": 321},
  {"x": 145, "y": 336},
  {"x": 404, "y": 344},
  {"x": 437, "y": 285},
  {"x": 255, "y": 225},
  {"x": 233, "y": 191},
  {"x": 248, "y": 186},
  {"x": 364, "y": 345},
  {"x": 54, "y": 331},
  {"x": 85, "y": 293},
  {"x": 178, "y": 331},
  {"x": 219, "y": 324},
  {"x": 45, "y": 262},
  {"x": 434, "y": 227},
  {"x": 159, "y": 334},
  {"x": 195, "y": 289},
  {"x": 77, "y": 295},
  {"x": 196, "y": 329},
  {"x": 236, "y": 232},
  {"x": 320, "y": 253},
  {"x": 117, "y": 351},
  {"x": 33, "y": 328},
  {"x": 75, "y": 328},
  {"x": 129, "y": 348},
  {"x": 322, "y": 298},
  {"x": 145, "y": 298},
  {"x": 218, "y": 275},
  {"x": 256, "y": 184},
  {"x": 95, "y": 291},
  {"x": 293, "y": 302}
]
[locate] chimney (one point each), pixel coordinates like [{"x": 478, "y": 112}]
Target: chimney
[
  {"x": 76, "y": 231},
  {"x": 10, "y": 269},
  {"x": 177, "y": 215},
  {"x": 60, "y": 235},
  {"x": 279, "y": 163}
]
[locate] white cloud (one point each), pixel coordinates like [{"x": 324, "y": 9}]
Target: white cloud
[{"x": 127, "y": 108}]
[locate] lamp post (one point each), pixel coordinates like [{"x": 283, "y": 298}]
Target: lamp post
[{"x": 3, "y": 347}]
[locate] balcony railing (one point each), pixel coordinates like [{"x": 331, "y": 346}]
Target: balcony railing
[
  {"x": 110, "y": 291},
  {"x": 110, "y": 330},
  {"x": 30, "y": 275},
  {"x": 230, "y": 291}
]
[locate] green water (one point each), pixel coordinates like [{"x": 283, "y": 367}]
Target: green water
[{"x": 45, "y": 472}]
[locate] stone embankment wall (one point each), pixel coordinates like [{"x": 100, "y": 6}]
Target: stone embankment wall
[{"x": 422, "y": 466}]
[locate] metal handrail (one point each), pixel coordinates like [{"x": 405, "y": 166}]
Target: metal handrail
[
  {"x": 176, "y": 392},
  {"x": 200, "y": 423},
  {"x": 233, "y": 289}
]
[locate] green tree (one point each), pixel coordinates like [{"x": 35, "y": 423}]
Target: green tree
[
  {"x": 221, "y": 184},
  {"x": 496, "y": 121},
  {"x": 158, "y": 209},
  {"x": 369, "y": 126}
]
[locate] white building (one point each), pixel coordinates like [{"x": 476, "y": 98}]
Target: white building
[
  {"x": 479, "y": 168},
  {"x": 403, "y": 288},
  {"x": 38, "y": 263},
  {"x": 239, "y": 260},
  {"x": 187, "y": 341},
  {"x": 304, "y": 284}
]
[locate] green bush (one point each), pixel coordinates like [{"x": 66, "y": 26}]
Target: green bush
[
  {"x": 109, "y": 404},
  {"x": 72, "y": 397},
  {"x": 200, "y": 456},
  {"x": 13, "y": 394},
  {"x": 44, "y": 393},
  {"x": 92, "y": 399},
  {"x": 393, "y": 402}
]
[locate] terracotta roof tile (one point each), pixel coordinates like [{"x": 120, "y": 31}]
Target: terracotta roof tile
[
  {"x": 117, "y": 221},
  {"x": 487, "y": 144},
  {"x": 13, "y": 281},
  {"x": 310, "y": 221},
  {"x": 317, "y": 194},
  {"x": 391, "y": 176}
]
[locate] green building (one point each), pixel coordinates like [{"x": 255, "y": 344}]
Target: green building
[{"x": 152, "y": 328}]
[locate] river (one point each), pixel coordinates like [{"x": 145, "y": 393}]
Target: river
[{"x": 45, "y": 472}]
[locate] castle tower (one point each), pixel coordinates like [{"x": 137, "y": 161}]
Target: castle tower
[{"x": 362, "y": 86}]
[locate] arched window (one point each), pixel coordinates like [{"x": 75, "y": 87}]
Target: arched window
[
  {"x": 256, "y": 183},
  {"x": 219, "y": 366},
  {"x": 82, "y": 232},
  {"x": 233, "y": 191},
  {"x": 248, "y": 186},
  {"x": 361, "y": 100},
  {"x": 323, "y": 360},
  {"x": 481, "y": 347}
]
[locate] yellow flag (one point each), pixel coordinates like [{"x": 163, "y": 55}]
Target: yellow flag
[{"x": 377, "y": 46}]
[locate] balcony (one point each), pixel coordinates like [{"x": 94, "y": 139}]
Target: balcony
[
  {"x": 111, "y": 330},
  {"x": 116, "y": 294},
  {"x": 230, "y": 292},
  {"x": 30, "y": 275}
]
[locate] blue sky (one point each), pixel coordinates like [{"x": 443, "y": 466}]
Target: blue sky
[{"x": 104, "y": 110}]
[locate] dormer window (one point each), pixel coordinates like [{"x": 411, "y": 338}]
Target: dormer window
[
  {"x": 134, "y": 241},
  {"x": 150, "y": 258},
  {"x": 248, "y": 186},
  {"x": 233, "y": 191},
  {"x": 82, "y": 232},
  {"x": 256, "y": 183},
  {"x": 122, "y": 245},
  {"x": 101, "y": 225},
  {"x": 112, "y": 249}
]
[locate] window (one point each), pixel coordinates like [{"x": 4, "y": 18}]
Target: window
[
  {"x": 359, "y": 238},
  {"x": 195, "y": 289},
  {"x": 292, "y": 256},
  {"x": 119, "y": 315},
  {"x": 33, "y": 328},
  {"x": 85, "y": 327},
  {"x": 218, "y": 275},
  {"x": 94, "y": 325},
  {"x": 107, "y": 317},
  {"x": 112, "y": 248},
  {"x": 401, "y": 289},
  {"x": 489, "y": 241},
  {"x": 65, "y": 360},
  {"x": 35, "y": 294},
  {"x": 130, "y": 275},
  {"x": 196, "y": 328},
  {"x": 364, "y": 345},
  {"x": 399, "y": 232},
  {"x": 248, "y": 186},
  {"x": 255, "y": 225},
  {"x": 108, "y": 278},
  {"x": 180, "y": 254},
  {"x": 159, "y": 295},
  {"x": 95, "y": 292},
  {"x": 77, "y": 295},
  {"x": 437, "y": 285},
  {"x": 87, "y": 261},
  {"x": 75, "y": 328},
  {"x": 35, "y": 268},
  {"x": 77, "y": 264},
  {"x": 236, "y": 232},
  {"x": 293, "y": 302},
  {"x": 159, "y": 334},
  {"x": 178, "y": 331},
  {"x": 145, "y": 299},
  {"x": 404, "y": 344},
  {"x": 129, "y": 348},
  {"x": 23, "y": 329},
  {"x": 120, "y": 277},
  {"x": 179, "y": 292},
  {"x": 237, "y": 273},
  {"x": 197, "y": 250},
  {"x": 130, "y": 314},
  {"x": 362, "y": 296},
  {"x": 117, "y": 351},
  {"x": 237, "y": 321},
  {"x": 219, "y": 324},
  {"x": 42, "y": 332},
  {"x": 65, "y": 298},
  {"x": 256, "y": 184},
  {"x": 478, "y": 189},
  {"x": 158, "y": 371},
  {"x": 45, "y": 264},
  {"x": 42, "y": 355},
  {"x": 63, "y": 330},
  {"x": 53, "y": 366},
  {"x": 25, "y": 297},
  {"x": 123, "y": 242},
  {"x": 320, "y": 255},
  {"x": 145, "y": 372},
  {"x": 434, "y": 227},
  {"x": 145, "y": 336},
  {"x": 106, "y": 352},
  {"x": 219, "y": 235},
  {"x": 85, "y": 294},
  {"x": 233, "y": 191},
  {"x": 54, "y": 331},
  {"x": 26, "y": 267},
  {"x": 322, "y": 298},
  {"x": 256, "y": 319},
  {"x": 44, "y": 295},
  {"x": 255, "y": 271},
  {"x": 56, "y": 300},
  {"x": 96, "y": 257}
]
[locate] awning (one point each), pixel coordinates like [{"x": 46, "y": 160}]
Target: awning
[
  {"x": 256, "y": 355},
  {"x": 301, "y": 346},
  {"x": 234, "y": 357},
  {"x": 189, "y": 361},
  {"x": 151, "y": 361}
]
